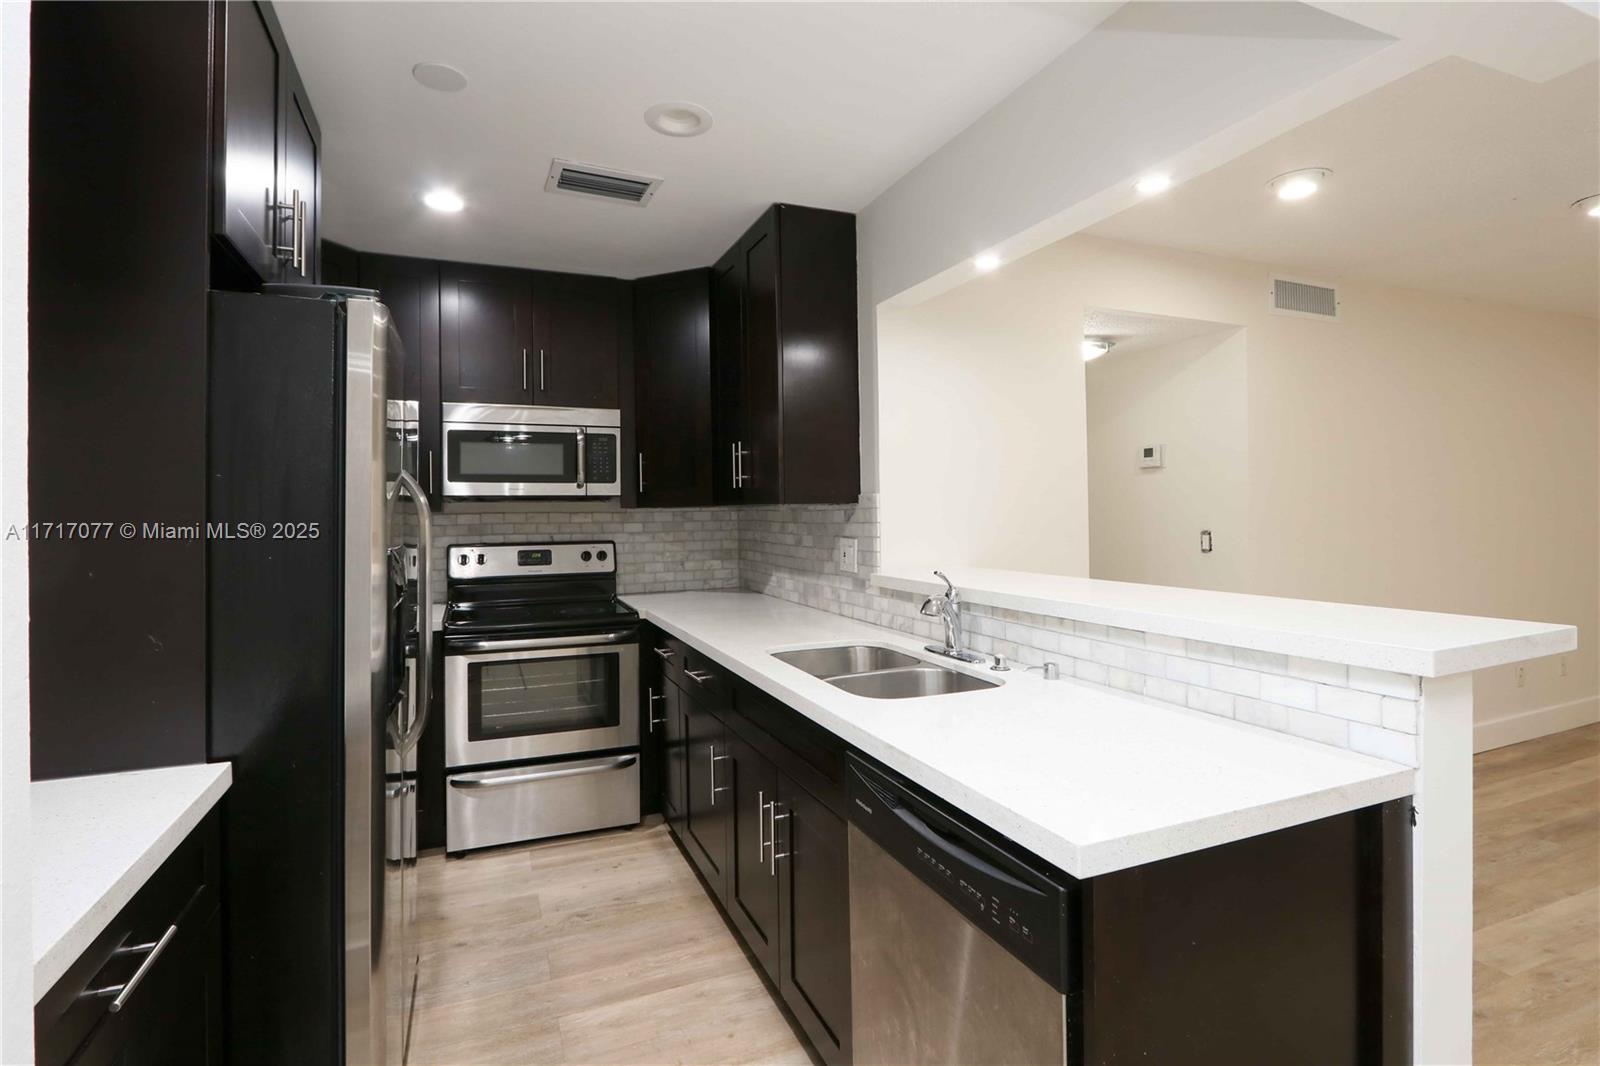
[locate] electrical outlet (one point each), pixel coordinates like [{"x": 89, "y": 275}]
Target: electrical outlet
[
  {"x": 1522, "y": 676},
  {"x": 847, "y": 555}
]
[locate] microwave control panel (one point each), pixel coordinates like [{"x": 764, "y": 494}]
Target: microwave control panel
[
  {"x": 601, "y": 459},
  {"x": 469, "y": 561}
]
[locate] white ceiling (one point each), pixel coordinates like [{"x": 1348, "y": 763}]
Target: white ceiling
[
  {"x": 1135, "y": 331},
  {"x": 815, "y": 103},
  {"x": 1456, "y": 179}
]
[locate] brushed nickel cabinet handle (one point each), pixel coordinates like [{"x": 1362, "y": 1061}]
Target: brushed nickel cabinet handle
[
  {"x": 541, "y": 369},
  {"x": 524, "y": 370},
  {"x": 774, "y": 855},
  {"x": 650, "y": 710},
  {"x": 761, "y": 834},
  {"x": 700, "y": 676},
  {"x": 711, "y": 764},
  {"x": 641, "y": 471},
  {"x": 665, "y": 653},
  {"x": 151, "y": 953}
]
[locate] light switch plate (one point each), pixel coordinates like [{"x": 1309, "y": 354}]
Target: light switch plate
[{"x": 847, "y": 555}]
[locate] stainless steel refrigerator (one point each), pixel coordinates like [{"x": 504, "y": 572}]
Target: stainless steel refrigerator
[{"x": 318, "y": 537}]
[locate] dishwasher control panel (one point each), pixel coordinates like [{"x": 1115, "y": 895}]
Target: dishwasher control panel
[{"x": 1025, "y": 909}]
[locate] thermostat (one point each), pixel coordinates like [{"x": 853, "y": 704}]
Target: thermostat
[{"x": 1150, "y": 456}]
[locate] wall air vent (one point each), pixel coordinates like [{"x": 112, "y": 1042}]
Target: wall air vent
[
  {"x": 1305, "y": 298},
  {"x": 585, "y": 179}
]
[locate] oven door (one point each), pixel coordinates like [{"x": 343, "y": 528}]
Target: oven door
[
  {"x": 482, "y": 459},
  {"x": 528, "y": 699}
]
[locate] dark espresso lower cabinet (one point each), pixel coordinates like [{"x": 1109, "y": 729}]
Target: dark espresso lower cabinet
[
  {"x": 761, "y": 818},
  {"x": 158, "y": 963},
  {"x": 813, "y": 869}
]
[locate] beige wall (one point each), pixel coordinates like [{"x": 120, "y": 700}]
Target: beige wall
[
  {"x": 1190, "y": 397},
  {"x": 1423, "y": 451},
  {"x": 981, "y": 428}
]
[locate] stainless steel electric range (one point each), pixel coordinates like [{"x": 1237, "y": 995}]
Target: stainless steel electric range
[{"x": 541, "y": 693}]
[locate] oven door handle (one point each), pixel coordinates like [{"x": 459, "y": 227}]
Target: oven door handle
[
  {"x": 621, "y": 762},
  {"x": 620, "y": 636},
  {"x": 404, "y": 481}
]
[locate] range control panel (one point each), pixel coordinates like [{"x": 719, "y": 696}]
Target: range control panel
[{"x": 467, "y": 562}]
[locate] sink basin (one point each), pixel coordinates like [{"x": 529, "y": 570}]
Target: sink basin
[
  {"x": 881, "y": 673},
  {"x": 829, "y": 663},
  {"x": 909, "y": 682}
]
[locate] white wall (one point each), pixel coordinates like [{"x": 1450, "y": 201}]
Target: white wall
[
  {"x": 16, "y": 952},
  {"x": 1203, "y": 82},
  {"x": 1423, "y": 451},
  {"x": 1190, "y": 397},
  {"x": 982, "y": 428}
]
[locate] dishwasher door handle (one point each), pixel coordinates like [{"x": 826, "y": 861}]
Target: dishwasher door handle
[{"x": 941, "y": 843}]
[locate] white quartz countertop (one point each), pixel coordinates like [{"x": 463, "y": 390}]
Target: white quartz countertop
[
  {"x": 1423, "y": 643},
  {"x": 96, "y": 841},
  {"x": 1091, "y": 780}
]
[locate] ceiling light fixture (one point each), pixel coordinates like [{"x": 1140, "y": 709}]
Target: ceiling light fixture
[
  {"x": 1151, "y": 184},
  {"x": 1299, "y": 184},
  {"x": 439, "y": 77},
  {"x": 444, "y": 200},
  {"x": 987, "y": 262},
  {"x": 678, "y": 119},
  {"x": 1589, "y": 205},
  {"x": 1094, "y": 347}
]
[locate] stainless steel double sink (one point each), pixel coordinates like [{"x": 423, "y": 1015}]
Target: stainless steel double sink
[{"x": 881, "y": 673}]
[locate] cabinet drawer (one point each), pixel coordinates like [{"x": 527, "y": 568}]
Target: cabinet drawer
[
  {"x": 707, "y": 682},
  {"x": 805, "y": 751},
  {"x": 181, "y": 893},
  {"x": 668, "y": 653}
]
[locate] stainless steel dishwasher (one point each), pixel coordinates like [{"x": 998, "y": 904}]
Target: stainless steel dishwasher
[{"x": 960, "y": 947}]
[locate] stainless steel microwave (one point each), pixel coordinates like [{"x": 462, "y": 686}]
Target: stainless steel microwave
[{"x": 505, "y": 450}]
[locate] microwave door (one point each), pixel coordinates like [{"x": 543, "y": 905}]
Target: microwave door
[{"x": 512, "y": 460}]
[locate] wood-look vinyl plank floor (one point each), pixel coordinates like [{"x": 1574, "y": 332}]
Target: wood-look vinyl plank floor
[
  {"x": 604, "y": 949},
  {"x": 1536, "y": 949}
]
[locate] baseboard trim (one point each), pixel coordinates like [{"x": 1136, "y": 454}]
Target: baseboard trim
[{"x": 1539, "y": 722}]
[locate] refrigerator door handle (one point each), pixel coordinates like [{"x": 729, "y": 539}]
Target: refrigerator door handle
[{"x": 424, "y": 679}]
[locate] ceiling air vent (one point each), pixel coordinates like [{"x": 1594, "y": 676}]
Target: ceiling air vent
[
  {"x": 585, "y": 179},
  {"x": 1290, "y": 297}
]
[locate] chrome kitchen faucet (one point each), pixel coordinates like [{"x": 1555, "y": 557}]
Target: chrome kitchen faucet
[{"x": 948, "y": 609}]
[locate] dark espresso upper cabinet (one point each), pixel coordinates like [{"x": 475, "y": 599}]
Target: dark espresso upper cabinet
[
  {"x": 672, "y": 389},
  {"x": 267, "y": 154},
  {"x": 487, "y": 351},
  {"x": 409, "y": 288},
  {"x": 784, "y": 361},
  {"x": 581, "y": 320}
]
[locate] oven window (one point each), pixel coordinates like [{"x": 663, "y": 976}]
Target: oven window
[
  {"x": 532, "y": 697},
  {"x": 510, "y": 456}
]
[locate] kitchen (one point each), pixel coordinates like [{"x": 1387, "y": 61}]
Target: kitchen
[{"x": 585, "y": 684}]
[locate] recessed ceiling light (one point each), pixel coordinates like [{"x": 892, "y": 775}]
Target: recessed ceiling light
[
  {"x": 1094, "y": 347},
  {"x": 1151, "y": 184},
  {"x": 1299, "y": 184},
  {"x": 678, "y": 119},
  {"x": 444, "y": 200},
  {"x": 440, "y": 77},
  {"x": 1589, "y": 205},
  {"x": 987, "y": 262}
]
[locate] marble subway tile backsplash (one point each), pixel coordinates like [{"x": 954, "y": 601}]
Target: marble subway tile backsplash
[
  {"x": 657, "y": 550},
  {"x": 789, "y": 552}
]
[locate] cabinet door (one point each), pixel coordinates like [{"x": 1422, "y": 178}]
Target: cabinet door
[
  {"x": 675, "y": 771},
  {"x": 174, "y": 1016},
  {"x": 580, "y": 342},
  {"x": 710, "y": 795},
  {"x": 248, "y": 152},
  {"x": 486, "y": 332},
  {"x": 301, "y": 179},
  {"x": 727, "y": 372},
  {"x": 752, "y": 875},
  {"x": 814, "y": 931},
  {"x": 409, "y": 288},
  {"x": 762, "y": 473},
  {"x": 672, "y": 389}
]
